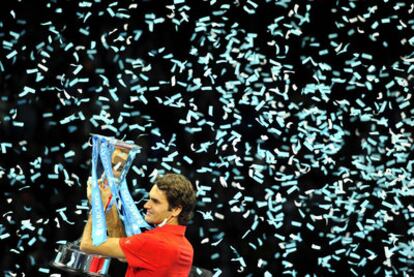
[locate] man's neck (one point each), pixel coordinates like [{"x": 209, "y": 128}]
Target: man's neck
[{"x": 172, "y": 221}]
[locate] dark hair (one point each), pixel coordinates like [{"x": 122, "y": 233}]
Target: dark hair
[{"x": 180, "y": 193}]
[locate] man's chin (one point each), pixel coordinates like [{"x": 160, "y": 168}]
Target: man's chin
[{"x": 148, "y": 220}]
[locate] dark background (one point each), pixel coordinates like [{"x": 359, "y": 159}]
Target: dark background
[{"x": 297, "y": 116}]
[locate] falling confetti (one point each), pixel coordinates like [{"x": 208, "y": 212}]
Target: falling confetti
[{"x": 293, "y": 120}]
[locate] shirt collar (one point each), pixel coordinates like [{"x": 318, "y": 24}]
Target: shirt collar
[{"x": 174, "y": 229}]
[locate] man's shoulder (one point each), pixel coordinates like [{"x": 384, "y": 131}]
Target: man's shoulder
[
  {"x": 154, "y": 235},
  {"x": 187, "y": 244}
]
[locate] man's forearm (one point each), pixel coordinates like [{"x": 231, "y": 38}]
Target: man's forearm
[
  {"x": 86, "y": 240},
  {"x": 114, "y": 223},
  {"x": 114, "y": 226}
]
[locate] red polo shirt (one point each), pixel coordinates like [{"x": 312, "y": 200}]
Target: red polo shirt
[{"x": 163, "y": 251}]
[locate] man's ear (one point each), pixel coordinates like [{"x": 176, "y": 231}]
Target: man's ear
[{"x": 176, "y": 211}]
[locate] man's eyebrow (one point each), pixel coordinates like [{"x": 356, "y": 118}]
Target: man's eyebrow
[{"x": 154, "y": 199}]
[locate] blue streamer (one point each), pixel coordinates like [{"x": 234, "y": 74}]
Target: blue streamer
[
  {"x": 132, "y": 218},
  {"x": 106, "y": 151},
  {"x": 98, "y": 216},
  {"x": 135, "y": 221}
]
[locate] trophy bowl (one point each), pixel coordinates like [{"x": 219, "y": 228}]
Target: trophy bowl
[
  {"x": 119, "y": 157},
  {"x": 71, "y": 259}
]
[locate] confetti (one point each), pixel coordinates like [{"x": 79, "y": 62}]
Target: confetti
[{"x": 294, "y": 120}]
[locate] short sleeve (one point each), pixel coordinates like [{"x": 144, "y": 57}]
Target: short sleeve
[{"x": 136, "y": 252}]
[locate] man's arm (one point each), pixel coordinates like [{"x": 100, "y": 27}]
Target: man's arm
[
  {"x": 114, "y": 223},
  {"x": 115, "y": 227},
  {"x": 110, "y": 247}
]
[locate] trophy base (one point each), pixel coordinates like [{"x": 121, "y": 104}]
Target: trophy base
[{"x": 72, "y": 260}]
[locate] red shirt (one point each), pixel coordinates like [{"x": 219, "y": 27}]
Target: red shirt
[{"x": 163, "y": 251}]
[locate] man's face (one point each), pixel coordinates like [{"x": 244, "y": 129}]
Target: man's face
[{"x": 157, "y": 206}]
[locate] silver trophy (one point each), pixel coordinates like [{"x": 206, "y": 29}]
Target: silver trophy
[{"x": 116, "y": 156}]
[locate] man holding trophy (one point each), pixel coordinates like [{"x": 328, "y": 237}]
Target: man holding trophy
[{"x": 115, "y": 225}]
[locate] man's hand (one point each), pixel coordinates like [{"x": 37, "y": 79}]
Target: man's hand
[
  {"x": 114, "y": 223},
  {"x": 103, "y": 188}
]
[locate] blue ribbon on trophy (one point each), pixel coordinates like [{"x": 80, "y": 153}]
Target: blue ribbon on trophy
[
  {"x": 98, "y": 216},
  {"x": 134, "y": 223}
]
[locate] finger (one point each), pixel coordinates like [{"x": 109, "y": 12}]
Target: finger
[{"x": 102, "y": 186}]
